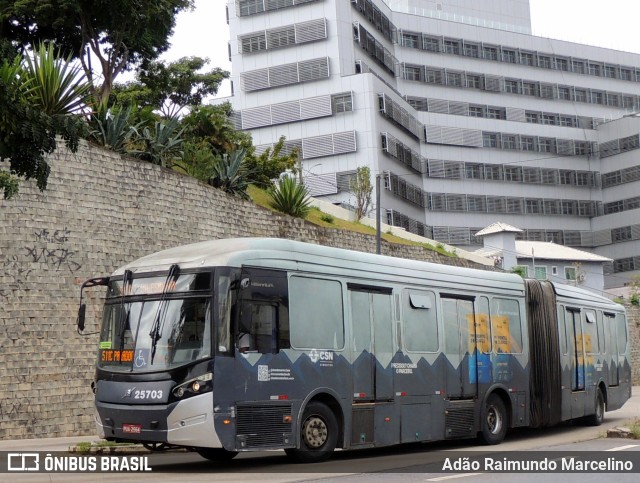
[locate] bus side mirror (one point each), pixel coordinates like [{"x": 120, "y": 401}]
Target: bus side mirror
[{"x": 81, "y": 316}]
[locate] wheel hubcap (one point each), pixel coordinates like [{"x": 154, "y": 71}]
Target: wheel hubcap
[
  {"x": 314, "y": 432},
  {"x": 494, "y": 420}
]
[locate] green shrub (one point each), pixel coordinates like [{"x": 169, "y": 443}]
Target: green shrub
[
  {"x": 290, "y": 197},
  {"x": 327, "y": 218}
]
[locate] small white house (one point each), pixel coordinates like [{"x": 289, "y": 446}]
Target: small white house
[{"x": 543, "y": 260}]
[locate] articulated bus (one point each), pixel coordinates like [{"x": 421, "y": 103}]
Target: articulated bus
[{"x": 252, "y": 344}]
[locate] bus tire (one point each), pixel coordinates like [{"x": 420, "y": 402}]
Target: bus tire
[
  {"x": 494, "y": 420},
  {"x": 217, "y": 455},
  {"x": 597, "y": 418},
  {"x": 318, "y": 434}
]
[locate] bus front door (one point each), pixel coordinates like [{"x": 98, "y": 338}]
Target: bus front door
[
  {"x": 372, "y": 343},
  {"x": 460, "y": 347}
]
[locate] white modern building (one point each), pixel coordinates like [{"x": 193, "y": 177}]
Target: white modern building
[{"x": 467, "y": 116}]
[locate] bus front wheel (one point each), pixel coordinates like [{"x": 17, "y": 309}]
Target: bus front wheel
[
  {"x": 495, "y": 420},
  {"x": 217, "y": 455},
  {"x": 318, "y": 434}
]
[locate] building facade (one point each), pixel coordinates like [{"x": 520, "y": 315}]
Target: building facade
[{"x": 467, "y": 117}]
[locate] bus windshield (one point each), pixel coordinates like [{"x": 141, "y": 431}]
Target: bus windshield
[{"x": 155, "y": 332}]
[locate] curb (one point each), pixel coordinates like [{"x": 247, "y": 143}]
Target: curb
[{"x": 621, "y": 432}]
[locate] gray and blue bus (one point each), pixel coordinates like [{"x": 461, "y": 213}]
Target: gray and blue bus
[{"x": 253, "y": 344}]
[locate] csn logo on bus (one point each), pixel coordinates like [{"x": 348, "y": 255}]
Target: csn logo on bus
[{"x": 316, "y": 355}]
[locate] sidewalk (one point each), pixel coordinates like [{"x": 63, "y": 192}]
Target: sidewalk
[{"x": 45, "y": 444}]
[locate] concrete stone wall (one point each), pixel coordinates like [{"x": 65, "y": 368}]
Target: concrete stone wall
[
  {"x": 633, "y": 314},
  {"x": 99, "y": 212}
]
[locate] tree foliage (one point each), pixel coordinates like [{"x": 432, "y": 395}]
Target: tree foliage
[
  {"x": 27, "y": 131},
  {"x": 169, "y": 88},
  {"x": 362, "y": 189},
  {"x": 269, "y": 165},
  {"x": 118, "y": 34}
]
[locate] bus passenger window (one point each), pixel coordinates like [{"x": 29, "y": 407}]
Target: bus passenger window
[
  {"x": 316, "y": 313},
  {"x": 420, "y": 324},
  {"x": 506, "y": 327}
]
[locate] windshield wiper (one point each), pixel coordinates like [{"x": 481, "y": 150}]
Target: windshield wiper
[
  {"x": 158, "y": 322},
  {"x": 127, "y": 280}
]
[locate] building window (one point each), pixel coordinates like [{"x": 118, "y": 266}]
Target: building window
[
  {"x": 473, "y": 170},
  {"x": 533, "y": 206},
  {"x": 578, "y": 66},
  {"x": 621, "y": 234},
  {"x": 567, "y": 121},
  {"x": 489, "y": 53},
  {"x": 342, "y": 103},
  {"x": 527, "y": 144},
  {"x": 594, "y": 69},
  {"x": 511, "y": 86},
  {"x": 253, "y": 43},
  {"x": 610, "y": 71},
  {"x": 410, "y": 40},
  {"x": 489, "y": 140},
  {"x": 412, "y": 73},
  {"x": 513, "y": 173},
  {"x": 562, "y": 64},
  {"x": 597, "y": 97},
  {"x": 549, "y": 119},
  {"x": 431, "y": 44},
  {"x": 471, "y": 50},
  {"x": 529, "y": 89},
  {"x": 626, "y": 74},
  {"x": 564, "y": 93},
  {"x": 476, "y": 111},
  {"x": 508, "y": 56},
  {"x": 526, "y": 58},
  {"x": 452, "y": 47},
  {"x": 454, "y": 79},
  {"x": 544, "y": 61},
  {"x": 532, "y": 117},
  {"x": 546, "y": 145},
  {"x": 580, "y": 95},
  {"x": 473, "y": 81},
  {"x": 541, "y": 273},
  {"x": 509, "y": 141},
  {"x": 554, "y": 270},
  {"x": 569, "y": 273},
  {"x": 496, "y": 113}
]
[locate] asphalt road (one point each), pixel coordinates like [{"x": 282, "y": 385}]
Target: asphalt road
[{"x": 413, "y": 462}]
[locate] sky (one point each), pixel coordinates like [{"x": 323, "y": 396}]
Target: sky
[{"x": 612, "y": 24}]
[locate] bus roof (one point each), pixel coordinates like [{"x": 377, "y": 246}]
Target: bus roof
[{"x": 295, "y": 255}]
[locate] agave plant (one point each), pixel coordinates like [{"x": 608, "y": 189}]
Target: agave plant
[
  {"x": 229, "y": 174},
  {"x": 290, "y": 197},
  {"x": 54, "y": 85},
  {"x": 161, "y": 144},
  {"x": 112, "y": 129}
]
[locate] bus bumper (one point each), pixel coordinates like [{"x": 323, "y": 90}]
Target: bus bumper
[{"x": 183, "y": 423}]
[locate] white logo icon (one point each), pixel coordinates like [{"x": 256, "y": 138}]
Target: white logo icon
[{"x": 23, "y": 462}]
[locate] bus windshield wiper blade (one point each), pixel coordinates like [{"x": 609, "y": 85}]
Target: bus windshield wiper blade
[
  {"x": 127, "y": 280},
  {"x": 158, "y": 322}
]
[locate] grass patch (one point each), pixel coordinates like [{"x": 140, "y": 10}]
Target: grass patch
[
  {"x": 635, "y": 429},
  {"x": 86, "y": 446},
  {"x": 262, "y": 198}
]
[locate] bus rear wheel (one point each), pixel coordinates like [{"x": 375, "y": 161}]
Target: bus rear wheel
[
  {"x": 597, "y": 418},
  {"x": 494, "y": 420},
  {"x": 318, "y": 434}
]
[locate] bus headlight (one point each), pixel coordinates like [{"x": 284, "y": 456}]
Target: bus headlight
[{"x": 192, "y": 387}]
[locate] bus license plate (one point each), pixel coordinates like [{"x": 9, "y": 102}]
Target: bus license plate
[{"x": 132, "y": 428}]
